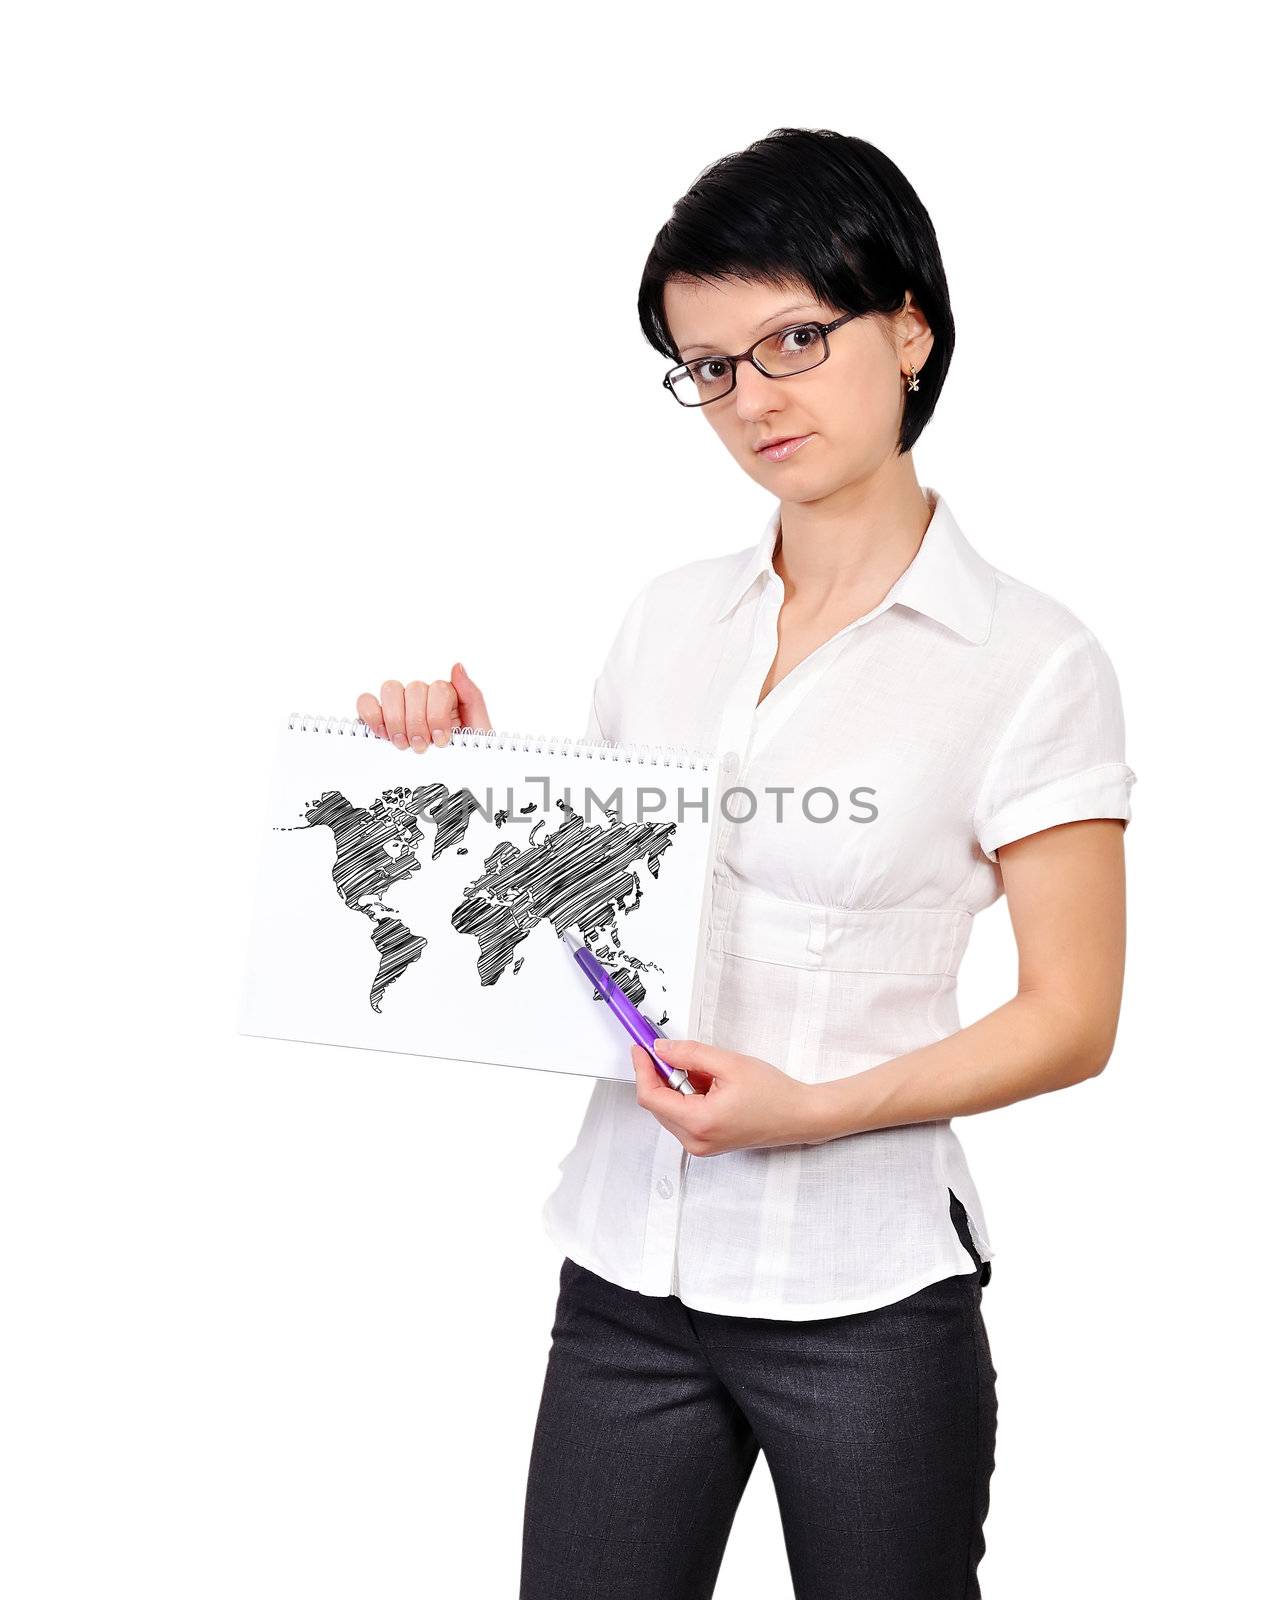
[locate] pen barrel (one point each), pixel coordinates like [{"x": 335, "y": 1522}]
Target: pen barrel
[{"x": 634, "y": 1021}]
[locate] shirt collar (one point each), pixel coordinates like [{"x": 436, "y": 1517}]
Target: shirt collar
[{"x": 947, "y": 580}]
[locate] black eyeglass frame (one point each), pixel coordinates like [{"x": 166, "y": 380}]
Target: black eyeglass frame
[{"x": 823, "y": 328}]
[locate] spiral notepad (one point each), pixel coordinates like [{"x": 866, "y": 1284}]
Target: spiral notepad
[{"x": 415, "y": 902}]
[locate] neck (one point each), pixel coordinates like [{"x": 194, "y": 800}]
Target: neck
[{"x": 848, "y": 550}]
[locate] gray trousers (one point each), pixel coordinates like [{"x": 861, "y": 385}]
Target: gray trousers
[{"x": 878, "y": 1428}]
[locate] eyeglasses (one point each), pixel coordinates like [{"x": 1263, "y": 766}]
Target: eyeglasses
[{"x": 777, "y": 355}]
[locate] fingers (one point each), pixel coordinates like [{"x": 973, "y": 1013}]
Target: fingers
[
  {"x": 394, "y": 706},
  {"x": 473, "y": 708},
  {"x": 673, "y": 1110},
  {"x": 430, "y": 710},
  {"x": 369, "y": 709},
  {"x": 686, "y": 1053},
  {"x": 415, "y": 698},
  {"x": 694, "y": 1058},
  {"x": 442, "y": 712},
  {"x": 647, "y": 1077},
  {"x": 414, "y": 716}
]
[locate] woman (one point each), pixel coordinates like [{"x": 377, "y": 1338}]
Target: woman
[{"x": 792, "y": 1259}]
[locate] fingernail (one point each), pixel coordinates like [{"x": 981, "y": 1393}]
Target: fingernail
[
  {"x": 400, "y": 740},
  {"x": 440, "y": 736},
  {"x": 417, "y": 743}
]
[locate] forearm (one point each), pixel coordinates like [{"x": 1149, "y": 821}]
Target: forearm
[{"x": 1029, "y": 1046}]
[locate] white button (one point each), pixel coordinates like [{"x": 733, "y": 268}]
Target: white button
[{"x": 665, "y": 1188}]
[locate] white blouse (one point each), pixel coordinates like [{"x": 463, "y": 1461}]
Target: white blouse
[{"x": 962, "y": 712}]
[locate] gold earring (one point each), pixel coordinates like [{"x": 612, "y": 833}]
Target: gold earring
[{"x": 913, "y": 381}]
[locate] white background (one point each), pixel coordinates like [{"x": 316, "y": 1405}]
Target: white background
[{"x": 289, "y": 293}]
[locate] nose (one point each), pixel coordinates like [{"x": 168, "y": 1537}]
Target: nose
[{"x": 754, "y": 393}]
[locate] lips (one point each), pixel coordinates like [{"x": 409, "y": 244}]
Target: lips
[{"x": 780, "y": 449}]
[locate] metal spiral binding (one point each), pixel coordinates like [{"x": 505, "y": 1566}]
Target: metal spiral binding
[{"x": 553, "y": 744}]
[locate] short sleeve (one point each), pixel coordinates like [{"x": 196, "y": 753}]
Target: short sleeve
[
  {"x": 608, "y": 700},
  {"x": 1062, "y": 756}
]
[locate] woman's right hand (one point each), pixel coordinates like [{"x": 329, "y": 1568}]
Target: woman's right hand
[{"x": 413, "y": 716}]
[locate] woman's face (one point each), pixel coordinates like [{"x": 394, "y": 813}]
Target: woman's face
[{"x": 849, "y": 409}]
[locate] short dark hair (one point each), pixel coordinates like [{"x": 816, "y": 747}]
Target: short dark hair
[{"x": 811, "y": 206}]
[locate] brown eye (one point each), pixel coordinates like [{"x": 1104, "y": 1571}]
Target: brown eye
[{"x": 800, "y": 338}]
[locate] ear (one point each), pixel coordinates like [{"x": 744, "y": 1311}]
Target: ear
[{"x": 916, "y": 338}]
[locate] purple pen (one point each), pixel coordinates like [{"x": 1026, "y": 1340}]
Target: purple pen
[{"x": 635, "y": 1022}]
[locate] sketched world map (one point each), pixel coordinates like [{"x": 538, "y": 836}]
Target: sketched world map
[{"x": 579, "y": 875}]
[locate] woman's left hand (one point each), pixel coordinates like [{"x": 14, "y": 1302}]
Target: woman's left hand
[{"x": 741, "y": 1101}]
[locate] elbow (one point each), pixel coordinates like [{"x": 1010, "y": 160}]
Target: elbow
[
  {"x": 1074, "y": 1036},
  {"x": 1081, "y": 1038},
  {"x": 1095, "y": 1049},
  {"x": 1095, "y": 1064}
]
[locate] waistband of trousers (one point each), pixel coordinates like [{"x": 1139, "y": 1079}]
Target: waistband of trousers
[{"x": 790, "y": 933}]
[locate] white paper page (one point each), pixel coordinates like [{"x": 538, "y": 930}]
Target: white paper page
[{"x": 353, "y": 906}]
